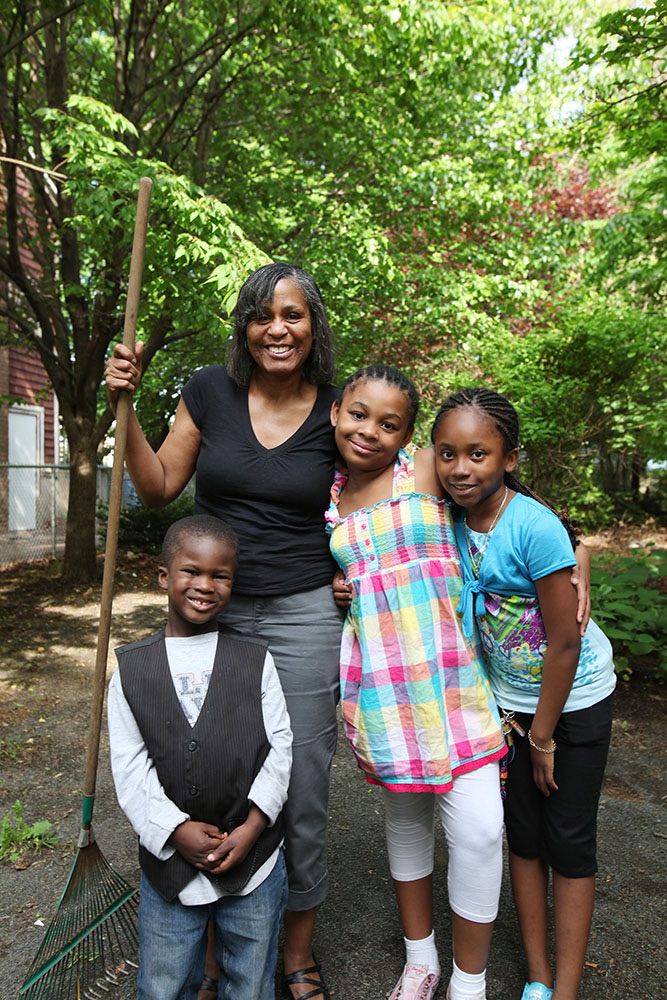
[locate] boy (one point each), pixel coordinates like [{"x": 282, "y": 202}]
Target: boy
[{"x": 201, "y": 754}]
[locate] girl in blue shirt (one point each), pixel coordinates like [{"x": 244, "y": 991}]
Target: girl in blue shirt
[{"x": 553, "y": 686}]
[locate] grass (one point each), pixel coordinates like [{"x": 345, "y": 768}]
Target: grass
[
  {"x": 10, "y": 748},
  {"x": 18, "y": 837}
]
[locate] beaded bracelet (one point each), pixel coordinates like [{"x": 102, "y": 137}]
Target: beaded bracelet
[{"x": 534, "y": 745}]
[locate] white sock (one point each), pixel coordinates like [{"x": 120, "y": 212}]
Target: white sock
[
  {"x": 467, "y": 985},
  {"x": 423, "y": 952}
]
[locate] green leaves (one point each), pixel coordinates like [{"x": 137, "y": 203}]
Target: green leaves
[
  {"x": 197, "y": 255},
  {"x": 473, "y": 207},
  {"x": 18, "y": 838},
  {"x": 630, "y": 606}
]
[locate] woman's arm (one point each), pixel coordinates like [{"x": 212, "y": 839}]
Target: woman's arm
[
  {"x": 160, "y": 476},
  {"x": 426, "y": 480},
  {"x": 558, "y": 607},
  {"x": 581, "y": 579}
]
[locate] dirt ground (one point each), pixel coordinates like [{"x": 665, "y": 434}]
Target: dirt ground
[{"x": 47, "y": 649}]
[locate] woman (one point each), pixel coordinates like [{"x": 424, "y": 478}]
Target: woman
[{"x": 257, "y": 436}]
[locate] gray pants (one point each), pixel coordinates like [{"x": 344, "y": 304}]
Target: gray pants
[{"x": 303, "y": 635}]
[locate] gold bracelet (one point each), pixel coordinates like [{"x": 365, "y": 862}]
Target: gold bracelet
[{"x": 534, "y": 745}]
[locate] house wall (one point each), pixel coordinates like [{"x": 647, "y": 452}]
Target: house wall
[
  {"x": 23, "y": 375},
  {"x": 27, "y": 378},
  {"x": 4, "y": 391}
]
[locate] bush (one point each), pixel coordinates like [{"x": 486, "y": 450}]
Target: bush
[
  {"x": 630, "y": 606},
  {"x": 142, "y": 529}
]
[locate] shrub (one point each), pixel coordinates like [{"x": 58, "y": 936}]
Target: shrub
[
  {"x": 630, "y": 606},
  {"x": 142, "y": 529}
]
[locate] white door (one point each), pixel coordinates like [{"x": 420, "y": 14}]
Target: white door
[{"x": 25, "y": 445}]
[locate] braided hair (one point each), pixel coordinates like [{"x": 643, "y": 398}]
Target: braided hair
[
  {"x": 506, "y": 421},
  {"x": 392, "y": 376}
]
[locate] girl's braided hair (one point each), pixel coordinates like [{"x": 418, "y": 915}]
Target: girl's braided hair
[
  {"x": 392, "y": 376},
  {"x": 506, "y": 420}
]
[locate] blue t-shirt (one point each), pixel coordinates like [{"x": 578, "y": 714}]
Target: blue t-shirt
[{"x": 527, "y": 544}]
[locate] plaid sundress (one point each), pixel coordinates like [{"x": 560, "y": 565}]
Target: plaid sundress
[{"x": 417, "y": 706}]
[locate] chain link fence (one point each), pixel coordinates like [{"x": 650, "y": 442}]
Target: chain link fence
[{"x": 33, "y": 509}]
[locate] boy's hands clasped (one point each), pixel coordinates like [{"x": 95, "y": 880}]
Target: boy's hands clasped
[
  {"x": 196, "y": 841},
  {"x": 209, "y": 849}
]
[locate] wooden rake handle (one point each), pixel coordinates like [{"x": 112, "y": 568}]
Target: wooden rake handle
[{"x": 115, "y": 499}]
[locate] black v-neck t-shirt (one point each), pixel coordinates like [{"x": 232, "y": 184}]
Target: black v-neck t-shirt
[{"x": 274, "y": 498}]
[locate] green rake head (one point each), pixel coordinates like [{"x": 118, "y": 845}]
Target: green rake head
[{"x": 92, "y": 940}]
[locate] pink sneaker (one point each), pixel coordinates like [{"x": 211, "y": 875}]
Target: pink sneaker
[{"x": 416, "y": 983}]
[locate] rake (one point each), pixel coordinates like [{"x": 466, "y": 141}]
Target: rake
[{"x": 88, "y": 944}]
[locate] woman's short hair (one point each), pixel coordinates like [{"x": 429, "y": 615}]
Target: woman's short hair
[{"x": 256, "y": 292}]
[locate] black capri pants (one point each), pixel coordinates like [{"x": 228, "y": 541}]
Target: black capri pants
[{"x": 560, "y": 829}]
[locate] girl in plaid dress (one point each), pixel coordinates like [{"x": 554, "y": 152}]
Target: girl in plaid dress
[{"x": 417, "y": 706}]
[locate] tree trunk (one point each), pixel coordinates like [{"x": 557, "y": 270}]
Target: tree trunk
[
  {"x": 79, "y": 565},
  {"x": 638, "y": 466}
]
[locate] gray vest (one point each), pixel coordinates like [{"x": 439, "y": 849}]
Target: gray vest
[{"x": 207, "y": 769}]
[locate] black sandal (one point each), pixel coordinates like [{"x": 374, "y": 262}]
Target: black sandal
[
  {"x": 301, "y": 976},
  {"x": 208, "y": 985}
]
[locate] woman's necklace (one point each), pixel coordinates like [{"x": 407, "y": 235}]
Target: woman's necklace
[{"x": 482, "y": 539}]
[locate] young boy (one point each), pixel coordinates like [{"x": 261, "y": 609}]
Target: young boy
[{"x": 201, "y": 755}]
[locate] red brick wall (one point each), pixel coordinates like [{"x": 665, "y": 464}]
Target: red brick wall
[
  {"x": 21, "y": 372},
  {"x": 27, "y": 378}
]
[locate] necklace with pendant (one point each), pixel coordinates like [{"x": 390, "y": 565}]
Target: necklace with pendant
[{"x": 482, "y": 546}]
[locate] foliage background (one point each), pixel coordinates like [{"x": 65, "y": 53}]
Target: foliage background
[{"x": 478, "y": 188}]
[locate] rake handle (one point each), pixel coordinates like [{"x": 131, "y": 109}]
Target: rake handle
[{"x": 115, "y": 499}]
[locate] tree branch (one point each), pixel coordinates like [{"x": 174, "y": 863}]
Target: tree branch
[
  {"x": 194, "y": 81},
  {"x": 33, "y": 166},
  {"x": 42, "y": 24},
  {"x": 658, "y": 85}
]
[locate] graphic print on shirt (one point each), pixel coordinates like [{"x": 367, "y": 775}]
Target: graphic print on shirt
[
  {"x": 191, "y": 689},
  {"x": 513, "y": 635}
]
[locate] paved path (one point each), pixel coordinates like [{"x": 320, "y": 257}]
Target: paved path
[{"x": 358, "y": 938}]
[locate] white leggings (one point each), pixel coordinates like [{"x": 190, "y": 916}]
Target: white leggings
[{"x": 471, "y": 815}]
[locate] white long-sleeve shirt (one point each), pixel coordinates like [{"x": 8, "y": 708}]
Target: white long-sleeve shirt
[{"x": 153, "y": 815}]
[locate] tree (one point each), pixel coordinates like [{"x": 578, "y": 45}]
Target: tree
[
  {"x": 65, "y": 245},
  {"x": 623, "y": 127},
  {"x": 67, "y": 253},
  {"x": 407, "y": 152},
  {"x": 329, "y": 129}
]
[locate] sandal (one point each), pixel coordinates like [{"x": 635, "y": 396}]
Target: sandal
[
  {"x": 536, "y": 991},
  {"x": 208, "y": 985},
  {"x": 302, "y": 976}
]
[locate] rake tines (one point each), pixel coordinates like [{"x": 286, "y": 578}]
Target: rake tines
[{"x": 92, "y": 940}]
